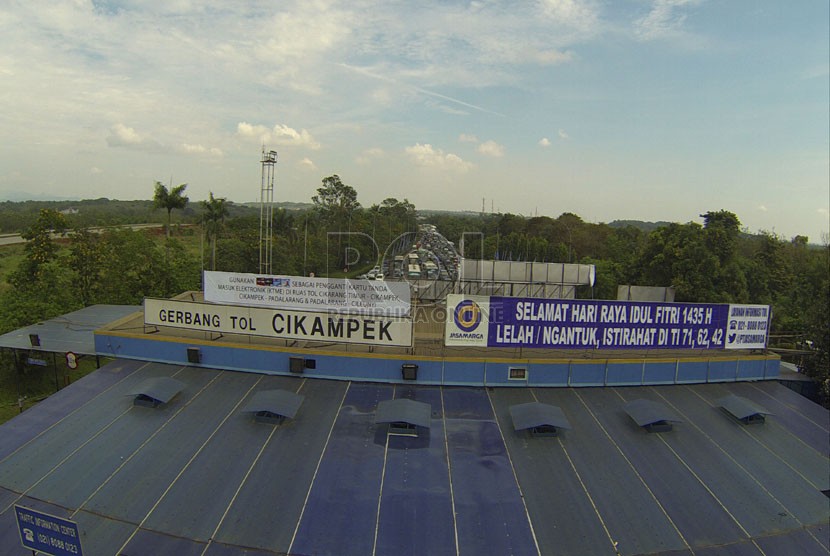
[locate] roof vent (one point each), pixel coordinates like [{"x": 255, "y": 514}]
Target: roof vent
[
  {"x": 652, "y": 416},
  {"x": 297, "y": 365},
  {"x": 194, "y": 355},
  {"x": 404, "y": 416},
  {"x": 540, "y": 418},
  {"x": 409, "y": 371},
  {"x": 743, "y": 410},
  {"x": 274, "y": 406},
  {"x": 157, "y": 391}
]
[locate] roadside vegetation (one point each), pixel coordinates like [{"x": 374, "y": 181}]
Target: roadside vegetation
[{"x": 65, "y": 265}]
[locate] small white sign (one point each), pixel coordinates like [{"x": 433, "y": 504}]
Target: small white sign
[
  {"x": 747, "y": 327},
  {"x": 467, "y": 320}
]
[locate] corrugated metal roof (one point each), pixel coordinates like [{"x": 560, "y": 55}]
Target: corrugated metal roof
[
  {"x": 200, "y": 478},
  {"x": 70, "y": 332}
]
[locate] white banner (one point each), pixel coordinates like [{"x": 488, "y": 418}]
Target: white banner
[
  {"x": 279, "y": 323},
  {"x": 747, "y": 327},
  {"x": 340, "y": 295},
  {"x": 467, "y": 320}
]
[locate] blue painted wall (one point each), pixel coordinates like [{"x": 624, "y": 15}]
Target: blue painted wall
[{"x": 450, "y": 372}]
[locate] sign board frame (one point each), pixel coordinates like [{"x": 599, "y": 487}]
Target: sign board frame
[
  {"x": 47, "y": 533},
  {"x": 491, "y": 321},
  {"x": 298, "y": 293},
  {"x": 284, "y": 324}
]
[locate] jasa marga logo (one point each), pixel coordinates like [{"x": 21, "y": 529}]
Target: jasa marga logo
[{"x": 467, "y": 317}]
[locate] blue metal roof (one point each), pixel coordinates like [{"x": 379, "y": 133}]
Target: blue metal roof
[
  {"x": 70, "y": 332},
  {"x": 198, "y": 477}
]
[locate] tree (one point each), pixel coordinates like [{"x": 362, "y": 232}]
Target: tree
[
  {"x": 721, "y": 230},
  {"x": 40, "y": 249},
  {"x": 86, "y": 258},
  {"x": 172, "y": 199},
  {"x": 335, "y": 201},
  {"x": 213, "y": 218},
  {"x": 677, "y": 256}
]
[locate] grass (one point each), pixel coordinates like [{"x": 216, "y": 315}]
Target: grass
[
  {"x": 38, "y": 383},
  {"x": 10, "y": 257}
]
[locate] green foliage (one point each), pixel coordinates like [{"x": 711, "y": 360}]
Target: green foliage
[
  {"x": 169, "y": 200},
  {"x": 40, "y": 247},
  {"x": 213, "y": 217},
  {"x": 335, "y": 201},
  {"x": 118, "y": 266},
  {"x": 817, "y": 327}
]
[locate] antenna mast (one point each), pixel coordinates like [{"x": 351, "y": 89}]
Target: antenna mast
[{"x": 266, "y": 211}]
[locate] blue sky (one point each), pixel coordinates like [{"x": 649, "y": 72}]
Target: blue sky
[{"x": 646, "y": 109}]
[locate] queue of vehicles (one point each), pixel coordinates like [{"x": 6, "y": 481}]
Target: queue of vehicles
[{"x": 430, "y": 256}]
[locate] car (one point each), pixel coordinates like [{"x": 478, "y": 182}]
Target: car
[{"x": 379, "y": 277}]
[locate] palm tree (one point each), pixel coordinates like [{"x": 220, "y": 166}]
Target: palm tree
[
  {"x": 173, "y": 199},
  {"x": 212, "y": 219}
]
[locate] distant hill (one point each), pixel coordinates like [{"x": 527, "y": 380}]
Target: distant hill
[{"x": 19, "y": 196}]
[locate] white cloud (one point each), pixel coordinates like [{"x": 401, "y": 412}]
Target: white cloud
[
  {"x": 491, "y": 148},
  {"x": 467, "y": 138},
  {"x": 368, "y": 155},
  {"x": 544, "y": 142},
  {"x": 427, "y": 156},
  {"x": 762, "y": 208},
  {"x": 186, "y": 148},
  {"x": 126, "y": 137},
  {"x": 122, "y": 136},
  {"x": 575, "y": 14},
  {"x": 280, "y": 135},
  {"x": 551, "y": 57},
  {"x": 260, "y": 132},
  {"x": 664, "y": 20},
  {"x": 823, "y": 211},
  {"x": 307, "y": 164},
  {"x": 563, "y": 134},
  {"x": 95, "y": 171}
]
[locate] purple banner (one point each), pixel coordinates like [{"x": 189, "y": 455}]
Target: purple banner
[{"x": 583, "y": 324}]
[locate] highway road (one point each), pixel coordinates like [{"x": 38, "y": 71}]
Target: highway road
[{"x": 12, "y": 239}]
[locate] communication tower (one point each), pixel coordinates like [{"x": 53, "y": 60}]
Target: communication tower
[{"x": 266, "y": 210}]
